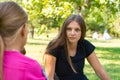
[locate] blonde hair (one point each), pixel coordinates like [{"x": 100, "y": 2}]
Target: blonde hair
[
  {"x": 12, "y": 17},
  {"x": 1, "y": 56}
]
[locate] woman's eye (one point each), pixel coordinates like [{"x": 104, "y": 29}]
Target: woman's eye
[
  {"x": 77, "y": 30},
  {"x": 69, "y": 29}
]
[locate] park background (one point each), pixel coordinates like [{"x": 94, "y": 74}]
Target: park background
[{"x": 47, "y": 16}]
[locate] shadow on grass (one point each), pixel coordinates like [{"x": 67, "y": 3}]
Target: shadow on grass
[
  {"x": 109, "y": 53},
  {"x": 110, "y": 56},
  {"x": 36, "y": 43},
  {"x": 112, "y": 69},
  {"x": 42, "y": 39}
]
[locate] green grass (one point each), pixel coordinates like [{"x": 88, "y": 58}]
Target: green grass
[{"x": 107, "y": 51}]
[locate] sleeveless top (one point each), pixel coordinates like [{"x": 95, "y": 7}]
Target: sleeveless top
[{"x": 63, "y": 69}]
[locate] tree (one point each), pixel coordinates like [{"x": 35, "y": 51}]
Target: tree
[{"x": 98, "y": 14}]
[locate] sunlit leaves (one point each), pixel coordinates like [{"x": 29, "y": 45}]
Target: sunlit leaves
[{"x": 98, "y": 14}]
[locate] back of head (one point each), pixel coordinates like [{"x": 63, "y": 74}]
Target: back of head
[{"x": 12, "y": 17}]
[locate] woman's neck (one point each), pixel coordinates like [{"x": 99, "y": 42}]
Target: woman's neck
[
  {"x": 12, "y": 48},
  {"x": 72, "y": 46},
  {"x": 12, "y": 44},
  {"x": 72, "y": 49}
]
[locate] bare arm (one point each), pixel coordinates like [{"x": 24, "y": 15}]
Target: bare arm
[
  {"x": 94, "y": 62},
  {"x": 50, "y": 66}
]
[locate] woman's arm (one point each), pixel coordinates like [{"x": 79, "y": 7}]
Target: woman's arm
[
  {"x": 94, "y": 62},
  {"x": 50, "y": 62}
]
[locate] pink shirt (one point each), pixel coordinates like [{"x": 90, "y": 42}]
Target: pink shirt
[{"x": 16, "y": 66}]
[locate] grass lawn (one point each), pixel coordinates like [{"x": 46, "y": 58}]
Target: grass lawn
[{"x": 108, "y": 52}]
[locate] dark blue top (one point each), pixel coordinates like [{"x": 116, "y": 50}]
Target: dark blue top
[{"x": 63, "y": 69}]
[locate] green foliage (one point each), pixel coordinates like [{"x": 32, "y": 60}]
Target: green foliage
[
  {"x": 98, "y": 14},
  {"x": 115, "y": 27}
]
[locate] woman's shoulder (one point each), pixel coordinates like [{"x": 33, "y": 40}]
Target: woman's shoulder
[
  {"x": 87, "y": 46},
  {"x": 27, "y": 61},
  {"x": 30, "y": 62},
  {"x": 55, "y": 52},
  {"x": 20, "y": 61},
  {"x": 33, "y": 66},
  {"x": 35, "y": 69}
]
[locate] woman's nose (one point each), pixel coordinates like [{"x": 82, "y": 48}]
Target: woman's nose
[{"x": 73, "y": 32}]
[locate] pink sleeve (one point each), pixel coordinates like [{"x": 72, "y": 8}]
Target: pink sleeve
[{"x": 35, "y": 72}]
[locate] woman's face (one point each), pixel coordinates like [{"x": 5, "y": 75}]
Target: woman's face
[{"x": 73, "y": 32}]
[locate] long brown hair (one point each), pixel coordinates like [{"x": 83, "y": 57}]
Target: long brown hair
[
  {"x": 61, "y": 38},
  {"x": 12, "y": 17}
]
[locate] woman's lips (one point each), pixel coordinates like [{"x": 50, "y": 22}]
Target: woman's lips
[{"x": 71, "y": 37}]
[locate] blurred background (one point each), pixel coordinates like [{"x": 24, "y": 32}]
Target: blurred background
[
  {"x": 48, "y": 14},
  {"x": 102, "y": 19}
]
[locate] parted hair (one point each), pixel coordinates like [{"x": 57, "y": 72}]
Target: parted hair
[{"x": 61, "y": 39}]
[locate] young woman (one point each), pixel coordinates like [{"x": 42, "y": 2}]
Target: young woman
[
  {"x": 13, "y": 35},
  {"x": 65, "y": 55}
]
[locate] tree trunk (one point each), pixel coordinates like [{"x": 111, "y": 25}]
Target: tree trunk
[{"x": 32, "y": 31}]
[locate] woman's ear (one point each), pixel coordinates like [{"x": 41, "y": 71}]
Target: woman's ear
[{"x": 24, "y": 30}]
